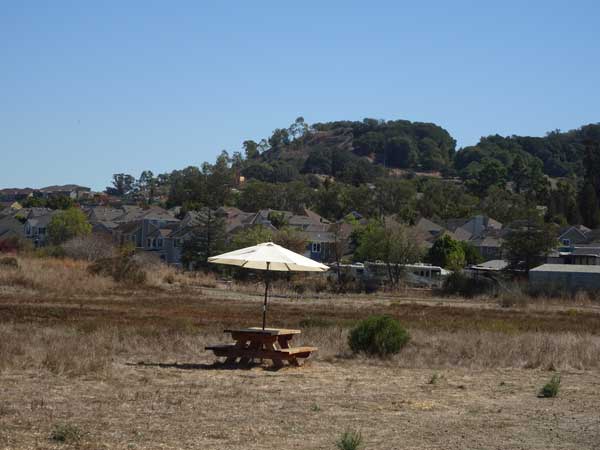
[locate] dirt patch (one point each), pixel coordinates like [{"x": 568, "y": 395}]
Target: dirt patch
[{"x": 197, "y": 406}]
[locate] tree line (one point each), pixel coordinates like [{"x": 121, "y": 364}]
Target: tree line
[{"x": 398, "y": 167}]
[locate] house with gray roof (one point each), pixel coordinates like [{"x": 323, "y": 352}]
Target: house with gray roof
[
  {"x": 136, "y": 224},
  {"x": 36, "y": 225},
  {"x": 466, "y": 229},
  {"x": 72, "y": 191},
  {"x": 573, "y": 235},
  {"x": 184, "y": 230},
  {"x": 10, "y": 227},
  {"x": 15, "y": 194},
  {"x": 429, "y": 229},
  {"x": 9, "y": 208},
  {"x": 489, "y": 244}
]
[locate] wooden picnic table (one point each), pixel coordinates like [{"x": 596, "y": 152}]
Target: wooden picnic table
[{"x": 256, "y": 343}]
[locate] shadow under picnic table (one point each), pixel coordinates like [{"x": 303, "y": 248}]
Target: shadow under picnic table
[{"x": 200, "y": 366}]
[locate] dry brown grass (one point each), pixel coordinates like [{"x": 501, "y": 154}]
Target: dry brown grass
[
  {"x": 70, "y": 277},
  {"x": 128, "y": 369},
  {"x": 59, "y": 276},
  {"x": 167, "y": 276},
  {"x": 93, "y": 349},
  {"x": 176, "y": 318}
]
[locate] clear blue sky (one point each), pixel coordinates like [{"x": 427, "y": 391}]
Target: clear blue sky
[{"x": 88, "y": 89}]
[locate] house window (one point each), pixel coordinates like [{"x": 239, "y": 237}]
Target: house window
[
  {"x": 42, "y": 231},
  {"x": 160, "y": 243},
  {"x": 316, "y": 247},
  {"x": 177, "y": 243},
  {"x": 566, "y": 242},
  {"x": 149, "y": 243}
]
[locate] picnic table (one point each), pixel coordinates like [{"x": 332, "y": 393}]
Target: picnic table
[{"x": 257, "y": 343}]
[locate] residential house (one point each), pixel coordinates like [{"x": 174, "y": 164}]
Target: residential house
[
  {"x": 36, "y": 225},
  {"x": 315, "y": 229},
  {"x": 15, "y": 194},
  {"x": 429, "y": 230},
  {"x": 10, "y": 227},
  {"x": 264, "y": 217},
  {"x": 320, "y": 238},
  {"x": 73, "y": 191},
  {"x": 482, "y": 232},
  {"x": 104, "y": 219},
  {"x": 236, "y": 219},
  {"x": 426, "y": 232},
  {"x": 578, "y": 245},
  {"x": 473, "y": 226},
  {"x": 9, "y": 208},
  {"x": 489, "y": 244},
  {"x": 139, "y": 226},
  {"x": 173, "y": 244},
  {"x": 179, "y": 234},
  {"x": 320, "y": 245},
  {"x": 573, "y": 235}
]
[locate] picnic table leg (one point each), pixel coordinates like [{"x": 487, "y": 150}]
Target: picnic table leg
[
  {"x": 284, "y": 342},
  {"x": 230, "y": 360},
  {"x": 277, "y": 362},
  {"x": 253, "y": 346}
]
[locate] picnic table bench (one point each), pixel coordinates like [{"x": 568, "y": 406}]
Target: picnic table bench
[{"x": 256, "y": 343}]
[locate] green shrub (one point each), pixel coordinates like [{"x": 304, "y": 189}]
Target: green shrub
[
  {"x": 369, "y": 285},
  {"x": 66, "y": 433},
  {"x": 551, "y": 388},
  {"x": 378, "y": 335},
  {"x": 349, "y": 440},
  {"x": 459, "y": 284}
]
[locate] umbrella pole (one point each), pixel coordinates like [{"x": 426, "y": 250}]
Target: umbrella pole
[{"x": 266, "y": 293}]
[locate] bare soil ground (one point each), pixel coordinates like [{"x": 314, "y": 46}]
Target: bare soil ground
[
  {"x": 128, "y": 371},
  {"x": 196, "y": 406}
]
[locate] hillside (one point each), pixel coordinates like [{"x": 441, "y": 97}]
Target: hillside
[
  {"x": 341, "y": 148},
  {"x": 344, "y": 148},
  {"x": 561, "y": 154}
]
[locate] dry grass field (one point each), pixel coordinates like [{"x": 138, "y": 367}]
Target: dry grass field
[{"x": 86, "y": 363}]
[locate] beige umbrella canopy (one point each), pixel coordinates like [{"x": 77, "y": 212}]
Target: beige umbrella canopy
[{"x": 270, "y": 257}]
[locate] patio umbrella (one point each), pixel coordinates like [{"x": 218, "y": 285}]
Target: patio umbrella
[{"x": 269, "y": 257}]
